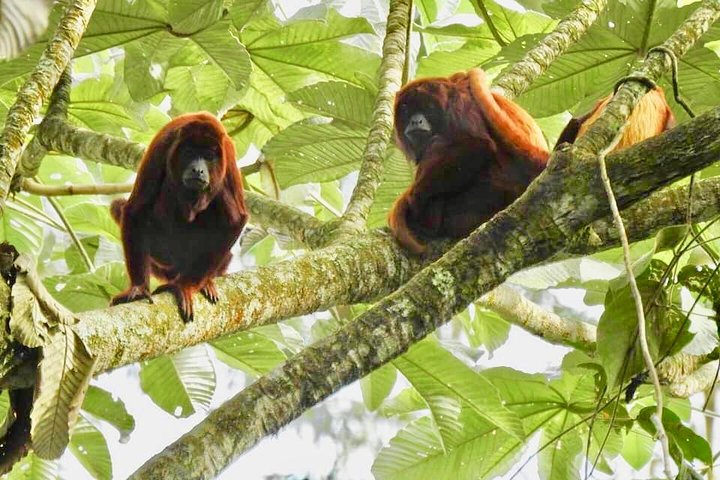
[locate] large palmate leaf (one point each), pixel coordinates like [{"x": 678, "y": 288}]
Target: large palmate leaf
[
  {"x": 306, "y": 51},
  {"x": 479, "y": 449},
  {"x": 315, "y": 152},
  {"x": 438, "y": 376},
  {"x": 610, "y": 50}
]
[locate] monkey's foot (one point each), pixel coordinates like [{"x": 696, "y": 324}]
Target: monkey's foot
[
  {"x": 135, "y": 292},
  {"x": 183, "y": 297},
  {"x": 210, "y": 292}
]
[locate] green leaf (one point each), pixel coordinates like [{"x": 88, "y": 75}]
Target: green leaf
[
  {"x": 377, "y": 386},
  {"x": 200, "y": 85},
  {"x": 99, "y": 104},
  {"x": 485, "y": 327},
  {"x": 19, "y": 227},
  {"x": 250, "y": 351},
  {"x": 439, "y": 376},
  {"x": 307, "y": 51},
  {"x": 33, "y": 467},
  {"x": 64, "y": 373},
  {"x": 89, "y": 446},
  {"x": 472, "y": 54},
  {"x": 610, "y": 50},
  {"x": 146, "y": 63},
  {"x": 617, "y": 332},
  {"x": 180, "y": 383},
  {"x": 74, "y": 260},
  {"x": 242, "y": 12},
  {"x": 222, "y": 46},
  {"x": 88, "y": 291},
  {"x": 188, "y": 16},
  {"x": 684, "y": 442},
  {"x": 102, "y": 404},
  {"x": 559, "y": 461},
  {"x": 397, "y": 175},
  {"x": 93, "y": 219},
  {"x": 417, "y": 454},
  {"x": 338, "y": 100},
  {"x": 306, "y": 152},
  {"x": 512, "y": 24}
]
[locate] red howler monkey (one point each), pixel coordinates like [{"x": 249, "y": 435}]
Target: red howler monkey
[
  {"x": 185, "y": 212},
  {"x": 475, "y": 152},
  {"x": 651, "y": 116}
]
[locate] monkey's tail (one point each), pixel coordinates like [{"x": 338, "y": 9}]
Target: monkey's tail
[
  {"x": 515, "y": 127},
  {"x": 116, "y": 209},
  {"x": 397, "y": 219}
]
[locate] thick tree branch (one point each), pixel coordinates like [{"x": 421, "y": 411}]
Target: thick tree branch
[
  {"x": 543, "y": 323},
  {"x": 343, "y": 274},
  {"x": 563, "y": 199},
  {"x": 698, "y": 381},
  {"x": 37, "y": 88},
  {"x": 57, "y": 108},
  {"x": 668, "y": 207},
  {"x": 391, "y": 70}
]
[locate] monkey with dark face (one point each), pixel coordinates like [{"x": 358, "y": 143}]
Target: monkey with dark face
[
  {"x": 475, "y": 153},
  {"x": 185, "y": 212}
]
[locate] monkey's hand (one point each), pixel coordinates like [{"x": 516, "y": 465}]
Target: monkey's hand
[{"x": 135, "y": 292}]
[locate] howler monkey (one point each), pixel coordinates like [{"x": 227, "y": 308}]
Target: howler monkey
[
  {"x": 651, "y": 116},
  {"x": 185, "y": 212},
  {"x": 475, "y": 152}
]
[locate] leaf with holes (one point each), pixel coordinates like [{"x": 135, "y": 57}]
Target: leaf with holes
[{"x": 180, "y": 383}]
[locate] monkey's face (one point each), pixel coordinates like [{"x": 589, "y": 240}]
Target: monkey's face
[
  {"x": 196, "y": 167},
  {"x": 420, "y": 117}
]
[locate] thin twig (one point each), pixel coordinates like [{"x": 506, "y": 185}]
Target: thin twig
[
  {"x": 43, "y": 190},
  {"x": 76, "y": 240},
  {"x": 639, "y": 309}
]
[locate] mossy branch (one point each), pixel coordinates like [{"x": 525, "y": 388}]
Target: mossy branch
[
  {"x": 37, "y": 88},
  {"x": 391, "y": 70},
  {"x": 520, "y": 75}
]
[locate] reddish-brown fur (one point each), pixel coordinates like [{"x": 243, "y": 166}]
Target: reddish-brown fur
[
  {"x": 651, "y": 116},
  {"x": 181, "y": 236},
  {"x": 485, "y": 153}
]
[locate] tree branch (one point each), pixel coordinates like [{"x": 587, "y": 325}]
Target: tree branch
[
  {"x": 37, "y": 88},
  {"x": 669, "y": 207},
  {"x": 565, "y": 197},
  {"x": 520, "y": 311},
  {"x": 390, "y": 75},
  {"x": 521, "y": 74},
  {"x": 57, "y": 108}
]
